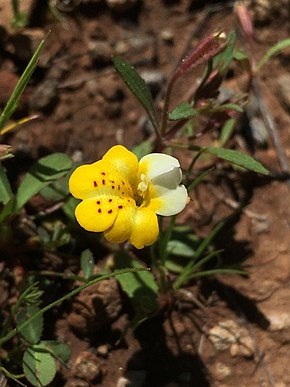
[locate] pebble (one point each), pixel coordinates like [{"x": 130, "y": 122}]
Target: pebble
[
  {"x": 229, "y": 335},
  {"x": 154, "y": 80},
  {"x": 221, "y": 371},
  {"x": 284, "y": 90},
  {"x": 87, "y": 366},
  {"x": 132, "y": 379},
  {"x": 100, "y": 52},
  {"x": 259, "y": 131},
  {"x": 167, "y": 35},
  {"x": 277, "y": 312}
]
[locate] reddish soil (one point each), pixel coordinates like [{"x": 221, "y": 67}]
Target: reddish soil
[{"x": 241, "y": 335}]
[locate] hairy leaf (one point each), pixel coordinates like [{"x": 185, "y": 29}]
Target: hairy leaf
[
  {"x": 137, "y": 86},
  {"x": 32, "y": 331},
  {"x": 182, "y": 111},
  {"x": 43, "y": 172},
  {"x": 238, "y": 158},
  {"x": 38, "y": 366}
]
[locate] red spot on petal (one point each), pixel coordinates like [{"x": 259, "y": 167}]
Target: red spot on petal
[
  {"x": 95, "y": 184},
  {"x": 103, "y": 181},
  {"x": 119, "y": 187},
  {"x": 98, "y": 202},
  {"x": 110, "y": 200},
  {"x": 123, "y": 193},
  {"x": 103, "y": 173},
  {"x": 120, "y": 207},
  {"x": 123, "y": 182},
  {"x": 99, "y": 210},
  {"x": 110, "y": 211},
  {"x": 113, "y": 187}
]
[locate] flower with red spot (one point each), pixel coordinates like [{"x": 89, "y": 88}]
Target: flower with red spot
[{"x": 122, "y": 197}]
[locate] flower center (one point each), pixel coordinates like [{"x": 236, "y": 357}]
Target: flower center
[{"x": 142, "y": 189}]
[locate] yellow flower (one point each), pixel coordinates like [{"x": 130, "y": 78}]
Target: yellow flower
[{"x": 121, "y": 197}]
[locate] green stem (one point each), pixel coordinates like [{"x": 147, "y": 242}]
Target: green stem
[
  {"x": 166, "y": 105},
  {"x": 13, "y": 332}
]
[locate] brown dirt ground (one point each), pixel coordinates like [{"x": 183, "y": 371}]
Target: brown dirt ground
[{"x": 84, "y": 108}]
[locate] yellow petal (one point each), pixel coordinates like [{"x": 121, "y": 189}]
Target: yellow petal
[
  {"x": 97, "y": 214},
  {"x": 145, "y": 228},
  {"x": 123, "y": 161},
  {"x": 93, "y": 180},
  {"x": 121, "y": 229}
]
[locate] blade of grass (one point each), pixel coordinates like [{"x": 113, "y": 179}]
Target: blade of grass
[{"x": 20, "y": 87}]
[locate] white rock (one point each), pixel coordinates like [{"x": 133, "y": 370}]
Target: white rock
[{"x": 229, "y": 335}]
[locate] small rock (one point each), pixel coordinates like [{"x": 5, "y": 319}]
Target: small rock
[
  {"x": 259, "y": 131},
  {"x": 44, "y": 96},
  {"x": 121, "y": 5},
  {"x": 100, "y": 51},
  {"x": 154, "y": 80},
  {"x": 229, "y": 335},
  {"x": 276, "y": 310},
  {"x": 103, "y": 350},
  {"x": 87, "y": 366},
  {"x": 167, "y": 35},
  {"x": 132, "y": 379},
  {"x": 221, "y": 371},
  {"x": 284, "y": 90}
]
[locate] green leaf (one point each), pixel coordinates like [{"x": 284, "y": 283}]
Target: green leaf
[
  {"x": 240, "y": 55},
  {"x": 60, "y": 351},
  {"x": 43, "y": 172},
  {"x": 238, "y": 158},
  {"x": 143, "y": 149},
  {"x": 228, "y": 106},
  {"x": 275, "y": 50},
  {"x": 5, "y": 189},
  {"x": 182, "y": 111},
  {"x": 140, "y": 287},
  {"x": 138, "y": 87},
  {"x": 181, "y": 248},
  {"x": 227, "y": 131},
  {"x": 32, "y": 331},
  {"x": 20, "y": 87},
  {"x": 224, "y": 58},
  {"x": 38, "y": 366},
  {"x": 87, "y": 263}
]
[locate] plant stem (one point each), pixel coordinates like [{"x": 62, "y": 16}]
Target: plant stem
[{"x": 166, "y": 105}]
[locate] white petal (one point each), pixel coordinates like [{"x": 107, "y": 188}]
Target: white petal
[
  {"x": 159, "y": 164},
  {"x": 170, "y": 179},
  {"x": 169, "y": 202}
]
